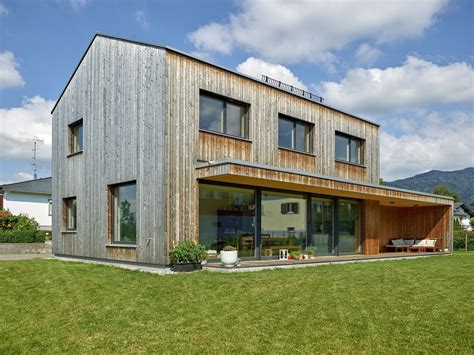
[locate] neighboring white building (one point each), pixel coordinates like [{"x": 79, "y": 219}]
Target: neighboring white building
[
  {"x": 463, "y": 214},
  {"x": 32, "y": 198}
]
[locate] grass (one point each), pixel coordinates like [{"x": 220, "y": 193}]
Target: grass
[{"x": 418, "y": 305}]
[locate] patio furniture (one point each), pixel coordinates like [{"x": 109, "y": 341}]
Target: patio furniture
[
  {"x": 397, "y": 244},
  {"x": 423, "y": 245}
]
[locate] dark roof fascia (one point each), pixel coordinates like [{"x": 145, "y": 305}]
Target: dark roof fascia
[
  {"x": 319, "y": 176},
  {"x": 177, "y": 51}
]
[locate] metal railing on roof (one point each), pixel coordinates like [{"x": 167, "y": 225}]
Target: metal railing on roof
[{"x": 292, "y": 89}]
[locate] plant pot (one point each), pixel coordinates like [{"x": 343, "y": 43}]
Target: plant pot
[
  {"x": 186, "y": 267},
  {"x": 229, "y": 258}
]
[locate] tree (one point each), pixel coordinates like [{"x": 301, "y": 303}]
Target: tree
[
  {"x": 445, "y": 191},
  {"x": 381, "y": 181}
]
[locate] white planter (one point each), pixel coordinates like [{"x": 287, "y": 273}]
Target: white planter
[{"x": 229, "y": 258}]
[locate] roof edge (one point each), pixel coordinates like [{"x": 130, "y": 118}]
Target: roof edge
[
  {"x": 320, "y": 176},
  {"x": 177, "y": 51}
]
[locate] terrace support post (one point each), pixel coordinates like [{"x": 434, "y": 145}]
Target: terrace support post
[{"x": 371, "y": 227}]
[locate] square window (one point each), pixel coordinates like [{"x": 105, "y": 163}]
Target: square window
[
  {"x": 222, "y": 115},
  {"x": 349, "y": 149},
  {"x": 294, "y": 134}
]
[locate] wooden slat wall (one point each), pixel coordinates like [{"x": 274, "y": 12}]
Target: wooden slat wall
[
  {"x": 416, "y": 222},
  {"x": 186, "y": 144},
  {"x": 228, "y": 147},
  {"x": 296, "y": 161},
  {"x": 118, "y": 91},
  {"x": 370, "y": 226},
  {"x": 353, "y": 172}
]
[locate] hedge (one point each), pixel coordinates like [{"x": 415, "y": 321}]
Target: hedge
[
  {"x": 459, "y": 242},
  {"x": 23, "y": 236}
]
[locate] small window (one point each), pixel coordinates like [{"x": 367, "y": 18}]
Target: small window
[
  {"x": 349, "y": 148},
  {"x": 223, "y": 115},
  {"x": 50, "y": 207},
  {"x": 70, "y": 214},
  {"x": 124, "y": 213},
  {"x": 290, "y": 208},
  {"x": 294, "y": 134},
  {"x": 76, "y": 138}
]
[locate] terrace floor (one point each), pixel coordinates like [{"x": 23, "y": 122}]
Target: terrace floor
[{"x": 256, "y": 265}]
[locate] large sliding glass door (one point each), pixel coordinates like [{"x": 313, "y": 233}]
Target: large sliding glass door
[
  {"x": 283, "y": 222},
  {"x": 229, "y": 215},
  {"x": 349, "y": 226},
  {"x": 322, "y": 225}
]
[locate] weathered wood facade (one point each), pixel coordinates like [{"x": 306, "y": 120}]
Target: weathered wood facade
[{"x": 140, "y": 109}]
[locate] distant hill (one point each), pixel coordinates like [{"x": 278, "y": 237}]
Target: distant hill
[{"x": 459, "y": 181}]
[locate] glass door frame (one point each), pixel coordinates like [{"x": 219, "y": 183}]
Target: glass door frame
[{"x": 309, "y": 217}]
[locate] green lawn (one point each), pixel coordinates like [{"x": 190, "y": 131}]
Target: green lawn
[{"x": 419, "y": 305}]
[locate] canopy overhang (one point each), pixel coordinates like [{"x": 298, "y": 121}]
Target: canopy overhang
[{"x": 266, "y": 176}]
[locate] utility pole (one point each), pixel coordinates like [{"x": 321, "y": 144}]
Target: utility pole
[{"x": 35, "y": 140}]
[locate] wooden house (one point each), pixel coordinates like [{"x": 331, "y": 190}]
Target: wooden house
[{"x": 152, "y": 146}]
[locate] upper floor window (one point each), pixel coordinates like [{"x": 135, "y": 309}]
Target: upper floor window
[
  {"x": 294, "y": 134},
  {"x": 70, "y": 213},
  {"x": 223, "y": 115},
  {"x": 349, "y": 148},
  {"x": 124, "y": 213},
  {"x": 76, "y": 137}
]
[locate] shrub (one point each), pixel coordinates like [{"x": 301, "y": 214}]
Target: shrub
[
  {"x": 25, "y": 223},
  {"x": 24, "y": 236},
  {"x": 311, "y": 251},
  {"x": 7, "y": 220},
  {"x": 21, "y": 222},
  {"x": 188, "y": 251},
  {"x": 459, "y": 241}
]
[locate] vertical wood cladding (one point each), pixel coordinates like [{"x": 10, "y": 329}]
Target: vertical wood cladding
[
  {"x": 417, "y": 223},
  {"x": 186, "y": 144},
  {"x": 118, "y": 91}
]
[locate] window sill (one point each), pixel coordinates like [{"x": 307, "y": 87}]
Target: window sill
[
  {"x": 69, "y": 232},
  {"x": 225, "y": 135},
  {"x": 113, "y": 245},
  {"x": 349, "y": 163},
  {"x": 298, "y": 152},
  {"x": 75, "y": 153}
]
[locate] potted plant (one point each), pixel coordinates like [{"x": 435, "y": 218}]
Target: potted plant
[
  {"x": 296, "y": 255},
  {"x": 229, "y": 256},
  {"x": 311, "y": 252},
  {"x": 187, "y": 256}
]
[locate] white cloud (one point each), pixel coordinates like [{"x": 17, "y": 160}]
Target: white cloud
[
  {"x": 213, "y": 37},
  {"x": 140, "y": 17},
  {"x": 439, "y": 141},
  {"x": 78, "y": 4},
  {"x": 9, "y": 75},
  {"x": 414, "y": 85},
  {"x": 256, "y": 68},
  {"x": 31, "y": 119},
  {"x": 3, "y": 9},
  {"x": 292, "y": 31},
  {"x": 366, "y": 54}
]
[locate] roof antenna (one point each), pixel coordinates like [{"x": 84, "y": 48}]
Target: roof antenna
[{"x": 33, "y": 163}]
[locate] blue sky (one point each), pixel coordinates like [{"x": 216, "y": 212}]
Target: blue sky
[{"x": 407, "y": 65}]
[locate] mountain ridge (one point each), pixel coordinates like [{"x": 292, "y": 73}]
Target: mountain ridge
[{"x": 459, "y": 181}]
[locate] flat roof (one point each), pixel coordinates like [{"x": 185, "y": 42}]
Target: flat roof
[{"x": 177, "y": 51}]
